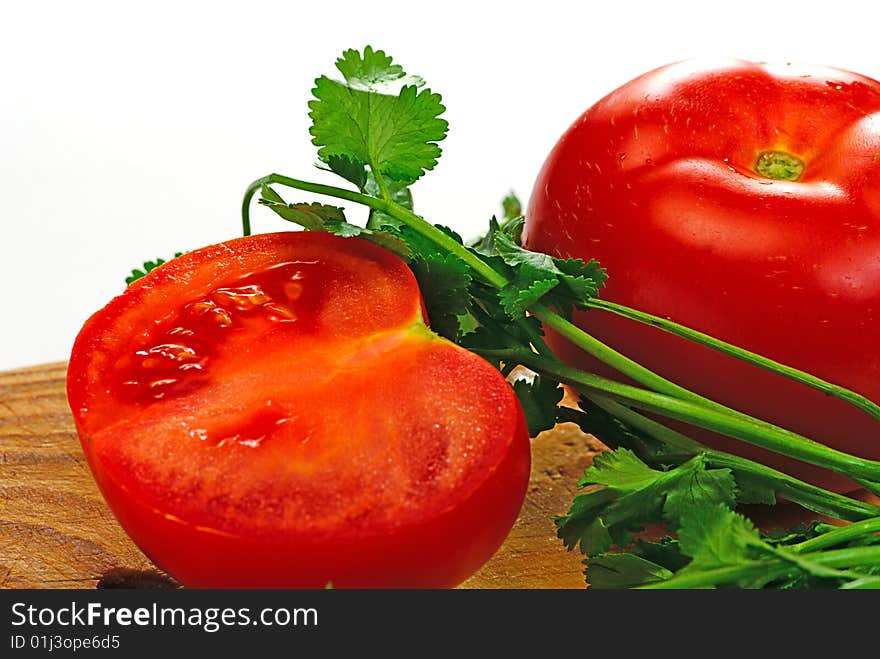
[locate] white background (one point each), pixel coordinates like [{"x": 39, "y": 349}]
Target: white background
[{"x": 130, "y": 130}]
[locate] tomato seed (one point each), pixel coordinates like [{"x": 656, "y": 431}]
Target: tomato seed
[
  {"x": 162, "y": 383},
  {"x": 243, "y": 298},
  {"x": 192, "y": 366},
  {"x": 201, "y": 307},
  {"x": 222, "y": 317},
  {"x": 293, "y": 290},
  {"x": 279, "y": 312}
]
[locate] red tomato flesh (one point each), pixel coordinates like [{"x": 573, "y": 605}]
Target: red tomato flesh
[
  {"x": 660, "y": 182},
  {"x": 273, "y": 412}
]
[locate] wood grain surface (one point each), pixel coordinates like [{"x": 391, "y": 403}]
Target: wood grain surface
[{"x": 57, "y": 532}]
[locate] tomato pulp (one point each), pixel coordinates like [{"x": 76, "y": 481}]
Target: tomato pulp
[
  {"x": 273, "y": 412},
  {"x": 742, "y": 200}
]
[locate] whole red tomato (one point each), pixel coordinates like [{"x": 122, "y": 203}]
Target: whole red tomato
[
  {"x": 742, "y": 200},
  {"x": 273, "y": 412}
]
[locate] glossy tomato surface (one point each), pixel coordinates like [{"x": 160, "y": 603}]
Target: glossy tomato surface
[
  {"x": 661, "y": 182},
  {"x": 273, "y": 412}
]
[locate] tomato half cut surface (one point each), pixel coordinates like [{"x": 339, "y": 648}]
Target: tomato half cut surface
[{"x": 273, "y": 411}]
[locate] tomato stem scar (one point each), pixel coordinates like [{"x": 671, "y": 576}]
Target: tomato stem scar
[{"x": 779, "y": 166}]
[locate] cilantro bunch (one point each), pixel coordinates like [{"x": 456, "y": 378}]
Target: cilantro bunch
[{"x": 378, "y": 129}]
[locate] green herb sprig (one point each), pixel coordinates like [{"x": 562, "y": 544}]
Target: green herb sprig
[{"x": 378, "y": 128}]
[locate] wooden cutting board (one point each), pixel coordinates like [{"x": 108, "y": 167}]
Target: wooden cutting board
[{"x": 57, "y": 532}]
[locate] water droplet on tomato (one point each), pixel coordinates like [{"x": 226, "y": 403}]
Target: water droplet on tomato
[{"x": 198, "y": 433}]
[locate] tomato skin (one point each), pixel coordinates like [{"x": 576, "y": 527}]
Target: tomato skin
[
  {"x": 657, "y": 181},
  {"x": 338, "y": 442}
]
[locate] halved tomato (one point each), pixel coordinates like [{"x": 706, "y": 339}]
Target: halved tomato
[{"x": 273, "y": 411}]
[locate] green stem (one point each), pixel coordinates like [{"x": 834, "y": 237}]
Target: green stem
[
  {"x": 839, "y": 536},
  {"x": 768, "y": 569},
  {"x": 748, "y": 429},
  {"x": 306, "y": 186},
  {"x": 395, "y": 210},
  {"x": 851, "y": 397},
  {"x": 617, "y": 360},
  {"x": 870, "y": 486},
  {"x": 813, "y": 498},
  {"x": 246, "y": 206},
  {"x": 380, "y": 181}
]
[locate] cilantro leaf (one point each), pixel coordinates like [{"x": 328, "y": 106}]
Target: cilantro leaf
[
  {"x": 583, "y": 279},
  {"x": 351, "y": 170},
  {"x": 621, "y": 470},
  {"x": 645, "y": 563},
  {"x": 313, "y": 217},
  {"x": 623, "y": 570},
  {"x": 377, "y": 116},
  {"x": 514, "y": 255},
  {"x": 583, "y": 525},
  {"x": 485, "y": 245},
  {"x": 374, "y": 71},
  {"x": 752, "y": 489},
  {"x": 148, "y": 266},
  {"x": 444, "y": 282},
  {"x": 715, "y": 536},
  {"x": 424, "y": 247},
  {"x": 635, "y": 495},
  {"x": 698, "y": 487},
  {"x": 575, "y": 280},
  {"x": 516, "y": 300},
  {"x": 511, "y": 206},
  {"x": 400, "y": 194},
  {"x": 321, "y": 217},
  {"x": 481, "y": 337},
  {"x": 539, "y": 400},
  {"x": 718, "y": 546},
  {"x": 666, "y": 553},
  {"x": 382, "y": 238}
]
